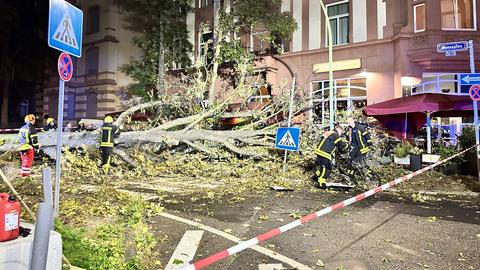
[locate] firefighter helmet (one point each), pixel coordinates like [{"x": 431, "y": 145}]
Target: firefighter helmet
[
  {"x": 50, "y": 120},
  {"x": 29, "y": 118},
  {"x": 108, "y": 120}
]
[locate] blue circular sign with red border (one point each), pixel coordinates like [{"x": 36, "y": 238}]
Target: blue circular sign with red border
[
  {"x": 475, "y": 92},
  {"x": 65, "y": 67}
]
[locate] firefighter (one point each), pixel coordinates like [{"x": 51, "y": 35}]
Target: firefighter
[
  {"x": 360, "y": 140},
  {"x": 325, "y": 150},
  {"x": 28, "y": 140},
  {"x": 50, "y": 124},
  {"x": 108, "y": 134}
]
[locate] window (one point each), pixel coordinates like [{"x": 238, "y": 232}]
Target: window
[
  {"x": 53, "y": 105},
  {"x": 204, "y": 3},
  {"x": 206, "y": 47},
  {"x": 92, "y": 61},
  {"x": 92, "y": 105},
  {"x": 458, "y": 14},
  {"x": 419, "y": 21},
  {"x": 350, "y": 93},
  {"x": 71, "y": 106},
  {"x": 339, "y": 20},
  {"x": 93, "y": 20}
]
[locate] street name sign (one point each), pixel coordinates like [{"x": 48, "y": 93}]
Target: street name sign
[
  {"x": 288, "y": 138},
  {"x": 65, "y": 27},
  {"x": 452, "y": 47}
]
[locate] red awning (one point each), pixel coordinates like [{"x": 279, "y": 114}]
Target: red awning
[
  {"x": 437, "y": 104},
  {"x": 411, "y": 111}
]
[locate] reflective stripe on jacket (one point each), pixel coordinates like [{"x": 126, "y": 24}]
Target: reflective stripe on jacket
[
  {"x": 107, "y": 136},
  {"x": 27, "y": 137},
  {"x": 361, "y": 139},
  {"x": 328, "y": 144}
]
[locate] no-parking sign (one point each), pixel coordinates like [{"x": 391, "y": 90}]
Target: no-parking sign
[{"x": 65, "y": 67}]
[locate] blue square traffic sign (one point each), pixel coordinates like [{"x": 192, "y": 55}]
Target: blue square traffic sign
[
  {"x": 65, "y": 27},
  {"x": 469, "y": 78},
  {"x": 288, "y": 139}
]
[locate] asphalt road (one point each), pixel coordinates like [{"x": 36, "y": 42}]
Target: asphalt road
[{"x": 383, "y": 232}]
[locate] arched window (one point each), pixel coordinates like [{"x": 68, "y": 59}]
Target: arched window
[
  {"x": 92, "y": 105},
  {"x": 92, "y": 61},
  {"x": 93, "y": 20}
]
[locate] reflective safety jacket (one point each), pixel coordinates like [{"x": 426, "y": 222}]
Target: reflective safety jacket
[
  {"x": 329, "y": 143},
  {"x": 361, "y": 138},
  {"x": 108, "y": 135},
  {"x": 28, "y": 138}
]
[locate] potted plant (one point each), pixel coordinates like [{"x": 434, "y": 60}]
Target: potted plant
[
  {"x": 450, "y": 167},
  {"x": 467, "y": 140},
  {"x": 415, "y": 158},
  {"x": 401, "y": 153}
]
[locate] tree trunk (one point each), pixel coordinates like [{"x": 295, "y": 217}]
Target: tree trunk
[
  {"x": 218, "y": 37},
  {"x": 161, "y": 65},
  {"x": 5, "y": 76},
  {"x": 4, "y": 86}
]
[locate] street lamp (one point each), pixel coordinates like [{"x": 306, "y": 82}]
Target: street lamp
[{"x": 330, "y": 65}]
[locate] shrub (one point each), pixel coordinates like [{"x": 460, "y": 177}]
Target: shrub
[{"x": 402, "y": 149}]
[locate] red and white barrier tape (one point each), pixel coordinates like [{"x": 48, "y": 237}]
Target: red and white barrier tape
[
  {"x": 263, "y": 237},
  {"x": 14, "y": 129}
]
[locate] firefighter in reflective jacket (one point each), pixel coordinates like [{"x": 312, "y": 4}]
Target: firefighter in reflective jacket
[
  {"x": 107, "y": 137},
  {"x": 330, "y": 142},
  {"x": 28, "y": 140},
  {"x": 360, "y": 140}
]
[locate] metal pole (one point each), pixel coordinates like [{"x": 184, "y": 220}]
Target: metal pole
[
  {"x": 330, "y": 64},
  {"x": 290, "y": 106},
  {"x": 41, "y": 239},
  {"x": 429, "y": 134},
  {"x": 58, "y": 155},
  {"x": 475, "y": 106},
  {"x": 43, "y": 225}
]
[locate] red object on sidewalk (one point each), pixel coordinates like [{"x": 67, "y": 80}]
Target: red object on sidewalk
[
  {"x": 27, "y": 161},
  {"x": 9, "y": 217}
]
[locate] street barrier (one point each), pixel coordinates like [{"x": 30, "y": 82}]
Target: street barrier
[{"x": 263, "y": 237}]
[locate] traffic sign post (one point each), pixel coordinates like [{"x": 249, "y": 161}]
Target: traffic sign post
[
  {"x": 65, "y": 31},
  {"x": 473, "y": 80}
]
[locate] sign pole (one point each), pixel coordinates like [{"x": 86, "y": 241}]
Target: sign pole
[
  {"x": 475, "y": 107},
  {"x": 58, "y": 155},
  {"x": 292, "y": 94}
]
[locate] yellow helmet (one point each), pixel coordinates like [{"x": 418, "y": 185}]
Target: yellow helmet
[
  {"x": 29, "y": 118},
  {"x": 108, "y": 120},
  {"x": 50, "y": 120}
]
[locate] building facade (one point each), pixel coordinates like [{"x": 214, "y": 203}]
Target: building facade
[
  {"x": 383, "y": 49},
  {"x": 97, "y": 83}
]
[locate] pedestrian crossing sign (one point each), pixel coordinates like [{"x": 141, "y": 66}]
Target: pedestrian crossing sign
[
  {"x": 65, "y": 27},
  {"x": 288, "y": 139}
]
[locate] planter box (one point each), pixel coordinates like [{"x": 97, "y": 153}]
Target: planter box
[
  {"x": 430, "y": 158},
  {"x": 415, "y": 162},
  {"x": 402, "y": 161},
  {"x": 469, "y": 166}
]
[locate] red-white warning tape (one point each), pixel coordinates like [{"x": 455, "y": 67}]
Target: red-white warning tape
[
  {"x": 263, "y": 237},
  {"x": 14, "y": 129}
]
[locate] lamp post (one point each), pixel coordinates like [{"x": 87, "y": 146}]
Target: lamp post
[{"x": 330, "y": 65}]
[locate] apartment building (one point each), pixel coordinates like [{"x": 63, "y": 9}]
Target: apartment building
[
  {"x": 383, "y": 49},
  {"x": 97, "y": 83}
]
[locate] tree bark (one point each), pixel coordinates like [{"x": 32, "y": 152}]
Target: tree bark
[
  {"x": 161, "y": 64},
  {"x": 218, "y": 37},
  {"x": 5, "y": 76}
]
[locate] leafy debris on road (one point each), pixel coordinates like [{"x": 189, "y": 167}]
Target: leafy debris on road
[{"x": 320, "y": 263}]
